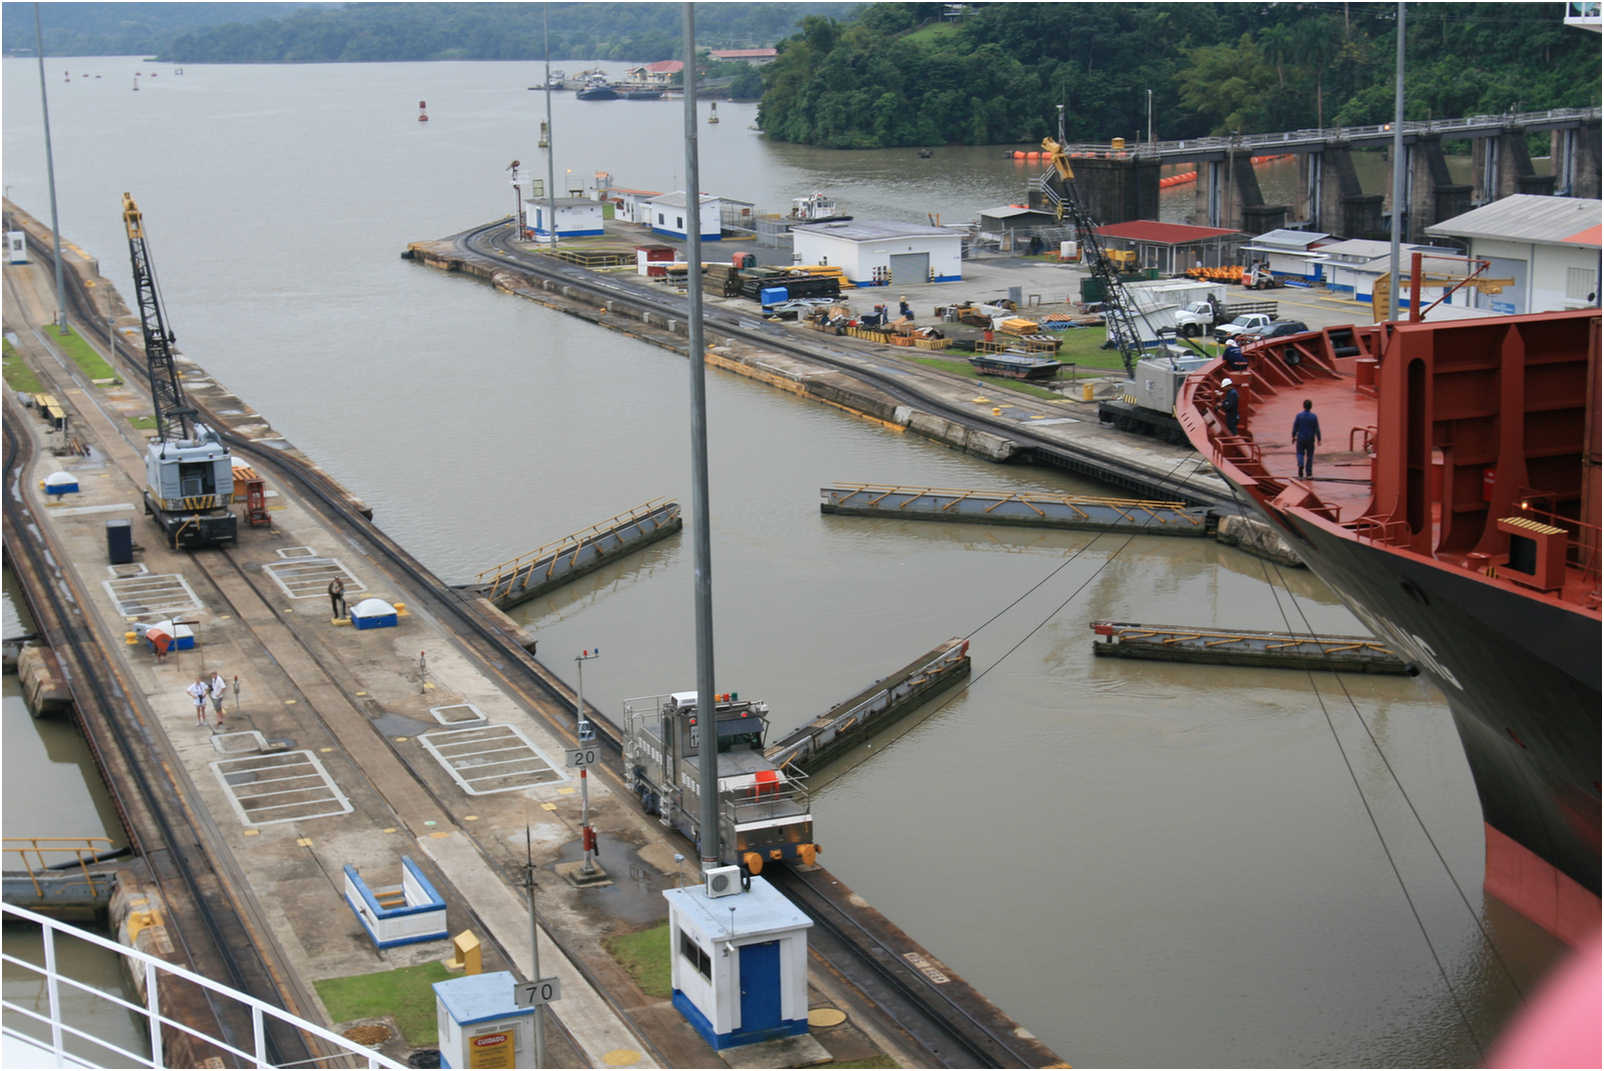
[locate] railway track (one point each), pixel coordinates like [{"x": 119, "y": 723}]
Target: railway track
[
  {"x": 939, "y": 1025},
  {"x": 204, "y": 914},
  {"x": 489, "y": 241},
  {"x": 933, "y": 1025}
]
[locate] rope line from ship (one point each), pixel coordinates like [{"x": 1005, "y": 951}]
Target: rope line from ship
[{"x": 1375, "y": 824}]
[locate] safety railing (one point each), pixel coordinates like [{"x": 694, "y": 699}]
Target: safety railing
[
  {"x": 810, "y": 739},
  {"x": 41, "y": 856},
  {"x": 59, "y": 1043},
  {"x": 500, "y": 579}
]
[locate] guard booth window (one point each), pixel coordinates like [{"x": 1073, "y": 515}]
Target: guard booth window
[
  {"x": 693, "y": 953},
  {"x": 195, "y": 478}
]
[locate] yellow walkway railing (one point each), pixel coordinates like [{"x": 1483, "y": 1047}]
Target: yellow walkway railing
[{"x": 42, "y": 856}]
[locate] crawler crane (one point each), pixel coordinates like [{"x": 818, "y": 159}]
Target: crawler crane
[
  {"x": 1147, "y": 404},
  {"x": 189, "y": 475}
]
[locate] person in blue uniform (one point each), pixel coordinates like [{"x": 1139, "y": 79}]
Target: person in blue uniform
[
  {"x": 1229, "y": 405},
  {"x": 905, "y": 309},
  {"x": 1305, "y": 433},
  {"x": 1234, "y": 359}
]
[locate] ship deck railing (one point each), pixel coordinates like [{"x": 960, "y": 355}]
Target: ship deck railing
[{"x": 46, "y": 1037}]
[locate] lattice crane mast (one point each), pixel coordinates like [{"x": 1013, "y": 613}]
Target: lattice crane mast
[
  {"x": 1058, "y": 186},
  {"x": 189, "y": 475},
  {"x": 172, "y": 414}
]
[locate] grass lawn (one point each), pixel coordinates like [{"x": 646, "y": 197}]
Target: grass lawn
[
  {"x": 83, "y": 355},
  {"x": 873, "y": 1061},
  {"x": 18, "y": 375},
  {"x": 143, "y": 423},
  {"x": 405, "y": 993},
  {"x": 644, "y": 954}
]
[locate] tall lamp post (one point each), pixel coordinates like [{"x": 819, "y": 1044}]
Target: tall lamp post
[
  {"x": 586, "y": 734},
  {"x": 1150, "y": 117}
]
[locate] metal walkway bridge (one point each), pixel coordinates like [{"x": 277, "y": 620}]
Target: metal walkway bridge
[
  {"x": 1373, "y": 134},
  {"x": 554, "y": 564},
  {"x": 1244, "y": 647},
  {"x": 1078, "y": 512}
]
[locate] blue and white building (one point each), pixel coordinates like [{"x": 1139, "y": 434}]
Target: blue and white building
[
  {"x": 740, "y": 960},
  {"x": 667, "y": 216},
  {"x": 576, "y": 217}
]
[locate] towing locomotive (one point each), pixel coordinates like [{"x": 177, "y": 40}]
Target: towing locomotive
[{"x": 764, "y": 813}]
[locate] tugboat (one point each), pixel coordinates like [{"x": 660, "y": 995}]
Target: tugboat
[
  {"x": 816, "y": 208},
  {"x": 598, "y": 91}
]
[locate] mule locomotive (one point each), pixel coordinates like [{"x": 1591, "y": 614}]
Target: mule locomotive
[{"x": 764, "y": 811}]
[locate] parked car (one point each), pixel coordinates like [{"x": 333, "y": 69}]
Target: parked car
[
  {"x": 1242, "y": 325},
  {"x": 1278, "y": 329}
]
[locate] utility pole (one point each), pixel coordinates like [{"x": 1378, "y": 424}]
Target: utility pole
[
  {"x": 586, "y": 735},
  {"x": 1150, "y": 117},
  {"x": 1397, "y": 165},
  {"x": 551, "y": 134},
  {"x": 50, "y": 170},
  {"x": 534, "y": 948},
  {"x": 706, "y": 705}
]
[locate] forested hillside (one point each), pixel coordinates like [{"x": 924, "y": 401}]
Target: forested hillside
[
  {"x": 121, "y": 29},
  {"x": 899, "y": 74},
  {"x": 435, "y": 31}
]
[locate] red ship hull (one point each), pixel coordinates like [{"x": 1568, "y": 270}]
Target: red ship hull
[{"x": 1422, "y": 526}]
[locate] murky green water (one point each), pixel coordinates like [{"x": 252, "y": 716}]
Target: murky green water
[{"x": 1144, "y": 864}]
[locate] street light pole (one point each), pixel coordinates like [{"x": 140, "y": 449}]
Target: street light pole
[
  {"x": 551, "y": 135},
  {"x": 534, "y": 947},
  {"x": 50, "y": 169},
  {"x": 1150, "y": 117},
  {"x": 586, "y": 735}
]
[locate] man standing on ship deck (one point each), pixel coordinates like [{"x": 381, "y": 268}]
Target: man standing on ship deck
[{"x": 1305, "y": 433}]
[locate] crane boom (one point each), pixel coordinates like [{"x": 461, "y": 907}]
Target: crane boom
[
  {"x": 167, "y": 397},
  {"x": 1058, "y": 185}
]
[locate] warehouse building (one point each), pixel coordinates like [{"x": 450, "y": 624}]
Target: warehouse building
[{"x": 879, "y": 252}]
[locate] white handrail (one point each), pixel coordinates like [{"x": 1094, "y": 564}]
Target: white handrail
[{"x": 261, "y": 1011}]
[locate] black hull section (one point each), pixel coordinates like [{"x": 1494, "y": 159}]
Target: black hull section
[{"x": 1521, "y": 676}]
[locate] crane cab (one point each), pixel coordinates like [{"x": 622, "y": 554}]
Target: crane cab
[{"x": 188, "y": 487}]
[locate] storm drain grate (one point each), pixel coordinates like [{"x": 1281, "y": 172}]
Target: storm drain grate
[
  {"x": 288, "y": 787},
  {"x": 490, "y": 758},
  {"x": 296, "y": 552},
  {"x": 152, "y": 595},
  {"x": 130, "y": 569},
  {"x": 457, "y": 714},
  {"x": 304, "y": 578}
]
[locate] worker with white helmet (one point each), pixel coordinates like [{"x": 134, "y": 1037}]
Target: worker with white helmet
[{"x": 1229, "y": 404}]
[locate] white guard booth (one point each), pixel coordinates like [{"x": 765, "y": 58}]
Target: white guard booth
[
  {"x": 576, "y": 217},
  {"x": 480, "y": 1023},
  {"x": 16, "y": 247},
  {"x": 740, "y": 971}
]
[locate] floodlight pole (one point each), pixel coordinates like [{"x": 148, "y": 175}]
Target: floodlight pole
[
  {"x": 50, "y": 170},
  {"x": 706, "y": 705}
]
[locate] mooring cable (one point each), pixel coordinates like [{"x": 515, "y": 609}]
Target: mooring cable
[{"x": 1375, "y": 823}]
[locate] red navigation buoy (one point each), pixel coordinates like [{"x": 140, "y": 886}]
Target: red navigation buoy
[{"x": 423, "y": 116}]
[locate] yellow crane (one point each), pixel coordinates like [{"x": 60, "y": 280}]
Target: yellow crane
[{"x": 1381, "y": 292}]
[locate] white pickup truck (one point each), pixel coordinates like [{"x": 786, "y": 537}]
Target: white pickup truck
[{"x": 1253, "y": 321}]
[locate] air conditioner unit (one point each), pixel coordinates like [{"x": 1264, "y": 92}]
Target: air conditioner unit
[{"x": 723, "y": 881}]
